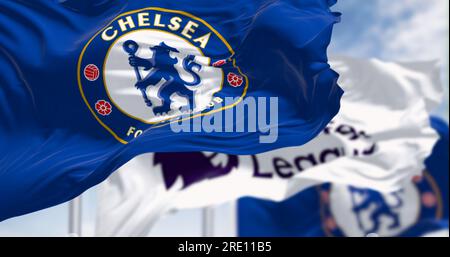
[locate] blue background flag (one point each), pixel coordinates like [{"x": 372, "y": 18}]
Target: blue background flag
[
  {"x": 75, "y": 104},
  {"x": 315, "y": 212}
]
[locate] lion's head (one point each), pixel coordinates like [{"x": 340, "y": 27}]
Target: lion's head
[{"x": 194, "y": 167}]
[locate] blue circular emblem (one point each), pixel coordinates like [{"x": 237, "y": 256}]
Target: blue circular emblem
[
  {"x": 150, "y": 67},
  {"x": 351, "y": 211}
]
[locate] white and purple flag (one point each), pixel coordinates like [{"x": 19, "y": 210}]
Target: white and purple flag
[{"x": 379, "y": 139}]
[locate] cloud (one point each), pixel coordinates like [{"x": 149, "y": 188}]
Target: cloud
[
  {"x": 400, "y": 30},
  {"x": 394, "y": 30},
  {"x": 415, "y": 29}
]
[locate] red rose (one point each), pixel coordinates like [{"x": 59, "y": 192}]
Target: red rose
[
  {"x": 429, "y": 199},
  {"x": 103, "y": 107},
  {"x": 235, "y": 80},
  {"x": 325, "y": 196},
  {"x": 330, "y": 223}
]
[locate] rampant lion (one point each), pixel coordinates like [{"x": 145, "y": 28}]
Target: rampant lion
[
  {"x": 162, "y": 66},
  {"x": 382, "y": 208}
]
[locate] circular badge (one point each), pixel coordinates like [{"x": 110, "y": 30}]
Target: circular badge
[
  {"x": 151, "y": 66},
  {"x": 357, "y": 212},
  {"x": 91, "y": 72}
]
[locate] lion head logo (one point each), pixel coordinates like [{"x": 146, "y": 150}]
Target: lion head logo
[{"x": 194, "y": 167}]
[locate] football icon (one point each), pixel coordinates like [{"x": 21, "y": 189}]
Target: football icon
[{"x": 91, "y": 72}]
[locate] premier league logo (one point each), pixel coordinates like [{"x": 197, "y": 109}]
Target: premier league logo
[
  {"x": 194, "y": 167},
  {"x": 351, "y": 211},
  {"x": 149, "y": 67}
]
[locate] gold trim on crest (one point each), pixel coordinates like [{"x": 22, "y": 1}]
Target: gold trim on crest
[{"x": 118, "y": 138}]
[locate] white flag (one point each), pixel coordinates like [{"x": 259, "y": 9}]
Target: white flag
[{"x": 380, "y": 137}]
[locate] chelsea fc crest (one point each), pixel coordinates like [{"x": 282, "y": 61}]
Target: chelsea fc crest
[
  {"x": 148, "y": 67},
  {"x": 356, "y": 212}
]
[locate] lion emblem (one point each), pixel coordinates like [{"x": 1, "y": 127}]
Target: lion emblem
[
  {"x": 162, "y": 68},
  {"x": 381, "y": 208}
]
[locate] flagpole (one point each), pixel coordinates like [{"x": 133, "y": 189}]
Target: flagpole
[
  {"x": 75, "y": 217},
  {"x": 208, "y": 221},
  {"x": 234, "y": 218}
]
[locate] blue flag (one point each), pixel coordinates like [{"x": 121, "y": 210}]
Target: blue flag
[
  {"x": 419, "y": 208},
  {"x": 86, "y": 85}
]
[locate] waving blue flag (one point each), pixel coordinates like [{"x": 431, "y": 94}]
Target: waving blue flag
[
  {"x": 421, "y": 207},
  {"x": 86, "y": 85}
]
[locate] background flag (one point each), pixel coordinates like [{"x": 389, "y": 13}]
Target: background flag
[
  {"x": 419, "y": 208},
  {"x": 380, "y": 138},
  {"x": 87, "y": 85}
]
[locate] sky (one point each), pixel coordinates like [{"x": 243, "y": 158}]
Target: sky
[{"x": 400, "y": 30}]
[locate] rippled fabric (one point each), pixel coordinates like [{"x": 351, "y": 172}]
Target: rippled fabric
[
  {"x": 52, "y": 148},
  {"x": 305, "y": 214},
  {"x": 379, "y": 143}
]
